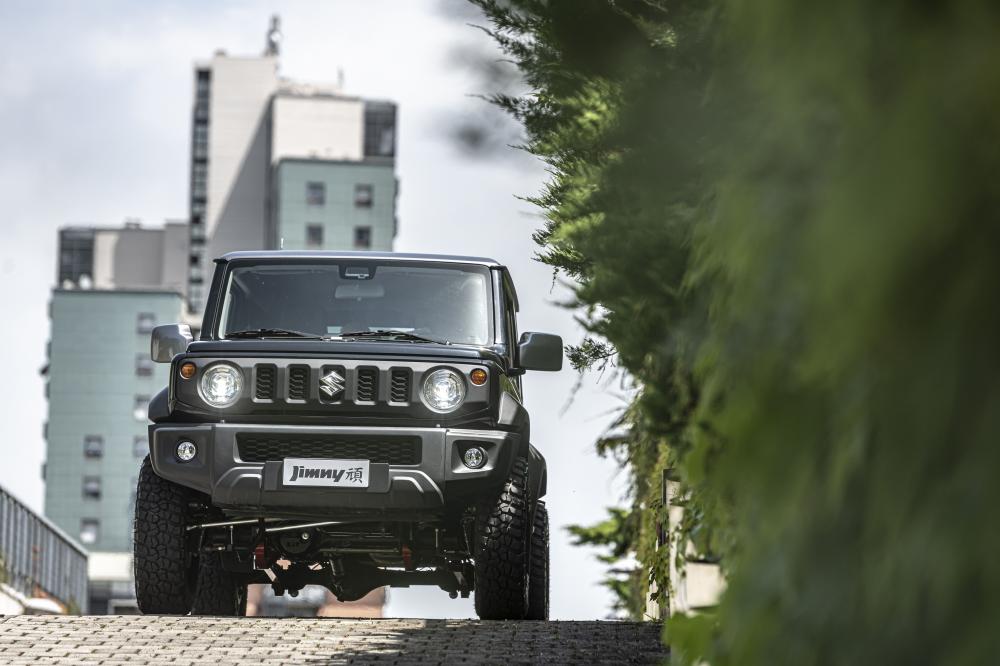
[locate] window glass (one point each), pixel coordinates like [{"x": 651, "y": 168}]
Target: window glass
[
  {"x": 143, "y": 365},
  {"x": 90, "y": 531},
  {"x": 92, "y": 487},
  {"x": 93, "y": 446},
  {"x": 314, "y": 236},
  {"x": 145, "y": 322},
  {"x": 363, "y": 196},
  {"x": 316, "y": 194},
  {"x": 441, "y": 301},
  {"x": 362, "y": 238},
  {"x": 140, "y": 409}
]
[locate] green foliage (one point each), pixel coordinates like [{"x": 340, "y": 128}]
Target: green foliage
[{"x": 782, "y": 218}]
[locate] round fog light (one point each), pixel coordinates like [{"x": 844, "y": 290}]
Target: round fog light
[
  {"x": 474, "y": 457},
  {"x": 186, "y": 451}
]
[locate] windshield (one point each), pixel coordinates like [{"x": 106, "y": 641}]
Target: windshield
[{"x": 440, "y": 302}]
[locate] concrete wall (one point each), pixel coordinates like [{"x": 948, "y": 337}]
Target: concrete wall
[
  {"x": 92, "y": 387},
  {"x": 338, "y": 215},
  {"x": 317, "y": 127},
  {"x": 175, "y": 257},
  {"x": 238, "y": 140},
  {"x": 141, "y": 258}
]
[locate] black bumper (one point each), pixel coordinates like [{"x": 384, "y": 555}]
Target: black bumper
[{"x": 438, "y": 481}]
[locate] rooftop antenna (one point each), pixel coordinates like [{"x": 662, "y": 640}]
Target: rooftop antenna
[
  {"x": 340, "y": 78},
  {"x": 273, "y": 37}
]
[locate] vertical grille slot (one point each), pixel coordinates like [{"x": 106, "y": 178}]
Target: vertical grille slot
[
  {"x": 298, "y": 382},
  {"x": 399, "y": 385},
  {"x": 264, "y": 387},
  {"x": 367, "y": 388}
]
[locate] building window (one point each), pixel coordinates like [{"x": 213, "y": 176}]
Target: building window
[
  {"x": 363, "y": 196},
  {"x": 145, "y": 322},
  {"x": 93, "y": 446},
  {"x": 200, "y": 142},
  {"x": 141, "y": 408},
  {"x": 314, "y": 236},
  {"x": 380, "y": 129},
  {"x": 199, "y": 180},
  {"x": 90, "y": 531},
  {"x": 143, "y": 365},
  {"x": 92, "y": 487},
  {"x": 362, "y": 238},
  {"x": 140, "y": 446},
  {"x": 316, "y": 194},
  {"x": 76, "y": 255}
]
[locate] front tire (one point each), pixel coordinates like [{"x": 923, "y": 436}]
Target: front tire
[
  {"x": 219, "y": 592},
  {"x": 503, "y": 530},
  {"x": 538, "y": 580},
  {"x": 165, "y": 571}
]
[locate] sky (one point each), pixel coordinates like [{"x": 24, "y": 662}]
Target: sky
[{"x": 95, "y": 102}]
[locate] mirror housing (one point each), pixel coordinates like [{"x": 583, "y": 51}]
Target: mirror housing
[
  {"x": 540, "y": 351},
  {"x": 169, "y": 341}
]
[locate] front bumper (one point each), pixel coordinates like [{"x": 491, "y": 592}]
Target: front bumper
[{"x": 438, "y": 481}]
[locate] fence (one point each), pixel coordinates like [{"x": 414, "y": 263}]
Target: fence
[{"x": 38, "y": 559}]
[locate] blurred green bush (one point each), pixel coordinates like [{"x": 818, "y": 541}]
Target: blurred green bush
[{"x": 782, "y": 221}]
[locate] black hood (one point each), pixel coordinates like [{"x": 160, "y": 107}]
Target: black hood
[{"x": 343, "y": 349}]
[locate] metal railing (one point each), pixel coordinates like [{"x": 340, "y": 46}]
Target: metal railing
[{"x": 39, "y": 559}]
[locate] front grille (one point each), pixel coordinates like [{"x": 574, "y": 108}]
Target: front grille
[
  {"x": 298, "y": 382},
  {"x": 399, "y": 385},
  {"x": 389, "y": 449},
  {"x": 367, "y": 384},
  {"x": 264, "y": 388}
]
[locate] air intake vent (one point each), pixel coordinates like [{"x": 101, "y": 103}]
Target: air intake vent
[
  {"x": 265, "y": 386},
  {"x": 399, "y": 386},
  {"x": 298, "y": 382},
  {"x": 367, "y": 384},
  {"x": 392, "y": 450}
]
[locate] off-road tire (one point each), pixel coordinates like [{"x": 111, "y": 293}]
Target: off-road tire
[
  {"x": 538, "y": 578},
  {"x": 503, "y": 531},
  {"x": 219, "y": 592},
  {"x": 165, "y": 572}
]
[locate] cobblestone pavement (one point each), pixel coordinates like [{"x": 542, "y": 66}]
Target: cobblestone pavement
[{"x": 250, "y": 641}]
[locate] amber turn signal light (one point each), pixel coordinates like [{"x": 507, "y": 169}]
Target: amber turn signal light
[
  {"x": 478, "y": 376},
  {"x": 187, "y": 370}
]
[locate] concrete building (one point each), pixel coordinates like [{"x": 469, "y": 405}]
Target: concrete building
[
  {"x": 114, "y": 286},
  {"x": 277, "y": 163}
]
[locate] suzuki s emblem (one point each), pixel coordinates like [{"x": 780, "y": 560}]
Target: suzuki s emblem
[{"x": 332, "y": 384}]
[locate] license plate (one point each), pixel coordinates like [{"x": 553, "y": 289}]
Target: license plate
[{"x": 327, "y": 473}]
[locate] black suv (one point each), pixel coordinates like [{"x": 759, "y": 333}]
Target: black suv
[{"x": 350, "y": 420}]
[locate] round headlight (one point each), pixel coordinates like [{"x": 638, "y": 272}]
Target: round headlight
[
  {"x": 221, "y": 385},
  {"x": 443, "y": 391}
]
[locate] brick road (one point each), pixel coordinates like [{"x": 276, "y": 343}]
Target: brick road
[{"x": 318, "y": 642}]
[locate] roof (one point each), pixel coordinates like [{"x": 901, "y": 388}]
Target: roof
[{"x": 376, "y": 256}]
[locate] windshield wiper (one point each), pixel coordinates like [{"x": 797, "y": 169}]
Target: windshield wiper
[
  {"x": 271, "y": 333},
  {"x": 393, "y": 335}
]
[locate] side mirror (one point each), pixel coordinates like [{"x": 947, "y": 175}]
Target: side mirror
[
  {"x": 540, "y": 351},
  {"x": 169, "y": 341}
]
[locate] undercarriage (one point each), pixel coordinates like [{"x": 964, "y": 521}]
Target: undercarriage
[{"x": 349, "y": 558}]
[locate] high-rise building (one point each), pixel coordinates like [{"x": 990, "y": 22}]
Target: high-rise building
[
  {"x": 281, "y": 164},
  {"x": 114, "y": 286}
]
